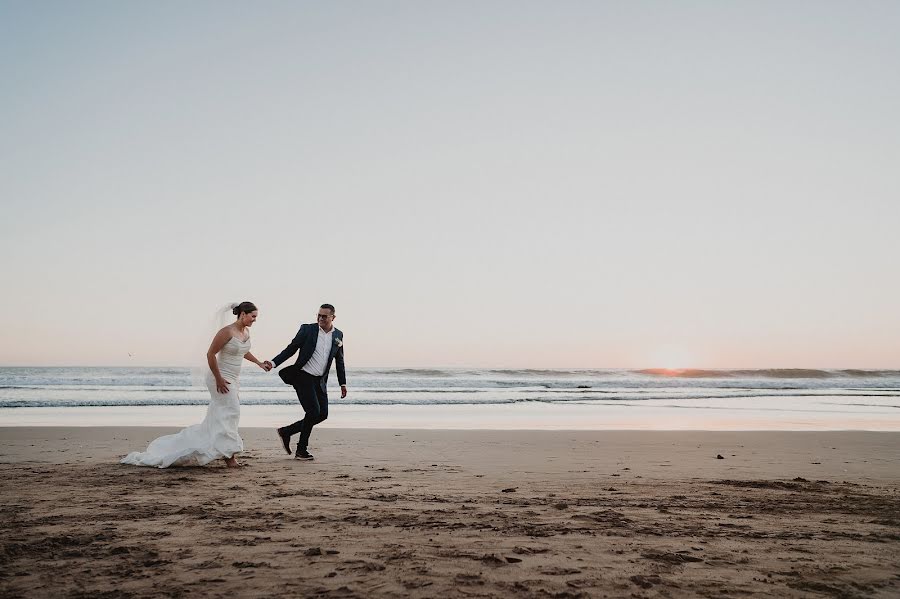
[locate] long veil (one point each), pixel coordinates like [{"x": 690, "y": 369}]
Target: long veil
[{"x": 223, "y": 316}]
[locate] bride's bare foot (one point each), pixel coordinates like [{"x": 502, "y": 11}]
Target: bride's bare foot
[{"x": 232, "y": 463}]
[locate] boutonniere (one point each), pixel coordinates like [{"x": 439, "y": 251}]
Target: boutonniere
[{"x": 339, "y": 342}]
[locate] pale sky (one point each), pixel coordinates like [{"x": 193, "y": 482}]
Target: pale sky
[{"x": 480, "y": 184}]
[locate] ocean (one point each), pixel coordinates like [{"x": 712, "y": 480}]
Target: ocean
[{"x": 763, "y": 399}]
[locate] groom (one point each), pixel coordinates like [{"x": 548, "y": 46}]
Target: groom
[{"x": 319, "y": 344}]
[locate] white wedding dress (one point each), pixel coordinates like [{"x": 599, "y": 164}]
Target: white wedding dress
[{"x": 217, "y": 436}]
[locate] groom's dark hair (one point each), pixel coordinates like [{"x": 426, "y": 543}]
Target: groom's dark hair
[{"x": 328, "y": 307}]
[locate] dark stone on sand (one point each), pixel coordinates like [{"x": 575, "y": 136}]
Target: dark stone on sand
[
  {"x": 509, "y": 490},
  {"x": 248, "y": 564},
  {"x": 719, "y": 457},
  {"x": 557, "y": 571},
  {"x": 492, "y": 560},
  {"x": 313, "y": 551},
  {"x": 513, "y": 560},
  {"x": 561, "y": 506},
  {"x": 645, "y": 582},
  {"x": 670, "y": 558},
  {"x": 529, "y": 550}
]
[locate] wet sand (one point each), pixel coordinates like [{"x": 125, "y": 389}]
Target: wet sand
[{"x": 397, "y": 513}]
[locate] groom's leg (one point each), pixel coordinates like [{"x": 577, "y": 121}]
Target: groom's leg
[
  {"x": 322, "y": 398},
  {"x": 309, "y": 399},
  {"x": 306, "y": 393},
  {"x": 311, "y": 420},
  {"x": 323, "y": 404}
]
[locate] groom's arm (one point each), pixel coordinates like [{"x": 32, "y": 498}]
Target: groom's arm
[
  {"x": 339, "y": 360},
  {"x": 291, "y": 349}
]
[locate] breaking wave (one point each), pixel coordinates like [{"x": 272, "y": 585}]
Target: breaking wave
[{"x": 771, "y": 373}]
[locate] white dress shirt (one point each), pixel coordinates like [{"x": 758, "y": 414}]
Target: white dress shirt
[{"x": 319, "y": 360}]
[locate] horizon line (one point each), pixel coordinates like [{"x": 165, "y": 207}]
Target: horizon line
[{"x": 636, "y": 368}]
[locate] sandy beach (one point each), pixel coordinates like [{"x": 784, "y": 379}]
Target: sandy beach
[{"x": 397, "y": 513}]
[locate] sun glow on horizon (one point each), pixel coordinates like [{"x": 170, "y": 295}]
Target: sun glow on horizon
[{"x": 671, "y": 359}]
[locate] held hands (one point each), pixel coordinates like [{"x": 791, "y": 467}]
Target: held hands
[{"x": 267, "y": 366}]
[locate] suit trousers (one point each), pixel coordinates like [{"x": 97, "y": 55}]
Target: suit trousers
[{"x": 314, "y": 399}]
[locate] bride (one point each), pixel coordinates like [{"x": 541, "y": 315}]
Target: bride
[{"x": 217, "y": 436}]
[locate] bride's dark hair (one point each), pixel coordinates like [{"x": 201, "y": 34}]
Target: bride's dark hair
[{"x": 243, "y": 308}]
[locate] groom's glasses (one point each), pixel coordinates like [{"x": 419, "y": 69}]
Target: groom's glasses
[{"x": 321, "y": 316}]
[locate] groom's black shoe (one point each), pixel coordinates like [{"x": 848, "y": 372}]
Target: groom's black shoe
[
  {"x": 302, "y": 454},
  {"x": 285, "y": 440}
]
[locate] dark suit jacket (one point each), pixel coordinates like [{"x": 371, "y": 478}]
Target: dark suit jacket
[{"x": 305, "y": 341}]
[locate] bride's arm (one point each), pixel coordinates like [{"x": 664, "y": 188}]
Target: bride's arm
[
  {"x": 252, "y": 358},
  {"x": 215, "y": 347}
]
